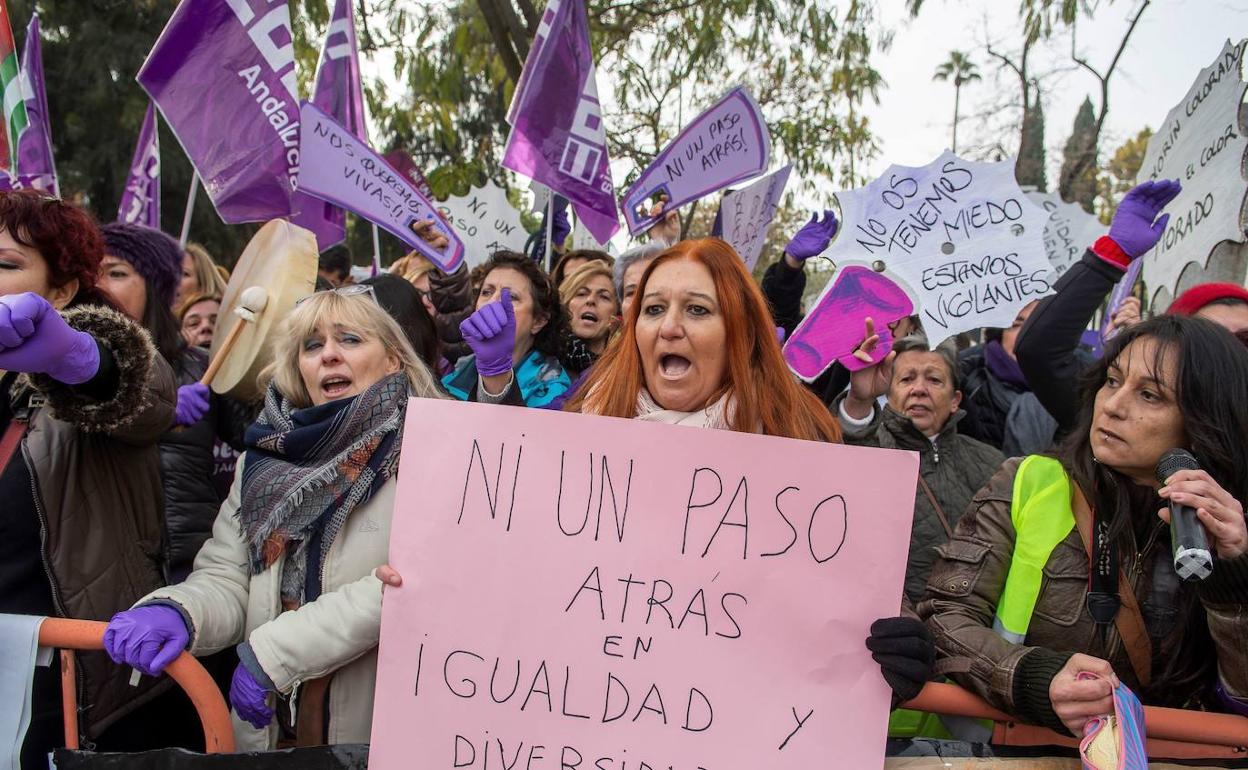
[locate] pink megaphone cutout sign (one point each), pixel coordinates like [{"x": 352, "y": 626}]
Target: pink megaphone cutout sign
[{"x": 834, "y": 329}]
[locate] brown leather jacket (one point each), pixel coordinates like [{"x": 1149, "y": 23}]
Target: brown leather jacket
[
  {"x": 96, "y": 471},
  {"x": 1191, "y": 628}
]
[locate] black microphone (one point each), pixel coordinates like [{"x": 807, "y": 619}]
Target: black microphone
[{"x": 1188, "y": 540}]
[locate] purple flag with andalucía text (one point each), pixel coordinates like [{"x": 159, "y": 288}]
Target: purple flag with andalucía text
[
  {"x": 557, "y": 135},
  {"x": 140, "y": 201},
  {"x": 222, "y": 75},
  {"x": 35, "y": 166},
  {"x": 339, "y": 93}
]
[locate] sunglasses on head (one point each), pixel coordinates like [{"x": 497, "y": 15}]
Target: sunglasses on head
[{"x": 352, "y": 290}]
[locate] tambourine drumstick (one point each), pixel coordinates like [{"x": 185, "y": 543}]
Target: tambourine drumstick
[{"x": 252, "y": 302}]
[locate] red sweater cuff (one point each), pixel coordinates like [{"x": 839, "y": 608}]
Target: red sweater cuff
[{"x": 1108, "y": 249}]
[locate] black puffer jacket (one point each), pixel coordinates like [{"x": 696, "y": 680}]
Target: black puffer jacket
[
  {"x": 186, "y": 467},
  {"x": 454, "y": 299}
]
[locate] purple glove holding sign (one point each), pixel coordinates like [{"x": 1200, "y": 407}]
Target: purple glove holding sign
[
  {"x": 146, "y": 638},
  {"x": 491, "y": 333},
  {"x": 814, "y": 237},
  {"x": 34, "y": 338},
  {"x": 1136, "y": 228},
  {"x": 192, "y": 404},
  {"x": 250, "y": 699}
]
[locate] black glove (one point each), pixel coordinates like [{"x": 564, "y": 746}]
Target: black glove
[{"x": 903, "y": 647}]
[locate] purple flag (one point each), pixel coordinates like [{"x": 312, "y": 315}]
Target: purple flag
[
  {"x": 35, "y": 166},
  {"x": 724, "y": 145},
  {"x": 140, "y": 202},
  {"x": 223, "y": 76},
  {"x": 339, "y": 94},
  {"x": 405, "y": 165},
  {"x": 342, "y": 169},
  {"x": 557, "y": 136}
]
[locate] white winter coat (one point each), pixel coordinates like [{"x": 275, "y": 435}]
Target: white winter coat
[{"x": 338, "y": 632}]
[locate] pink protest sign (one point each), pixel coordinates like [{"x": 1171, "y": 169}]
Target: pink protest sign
[
  {"x": 836, "y": 327},
  {"x": 725, "y": 144},
  {"x": 588, "y": 593}
]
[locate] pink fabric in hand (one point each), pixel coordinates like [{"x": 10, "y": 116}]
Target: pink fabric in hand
[{"x": 834, "y": 329}]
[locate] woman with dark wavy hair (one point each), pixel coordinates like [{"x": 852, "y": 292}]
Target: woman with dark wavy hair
[
  {"x": 514, "y": 336},
  {"x": 1010, "y": 594}
]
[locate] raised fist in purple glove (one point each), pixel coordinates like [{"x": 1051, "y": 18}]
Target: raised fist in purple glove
[
  {"x": 35, "y": 339},
  {"x": 192, "y": 404},
  {"x": 146, "y": 638},
  {"x": 249, "y": 698},
  {"x": 491, "y": 333},
  {"x": 813, "y": 238},
  {"x": 1133, "y": 227}
]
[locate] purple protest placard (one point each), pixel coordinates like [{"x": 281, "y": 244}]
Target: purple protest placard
[
  {"x": 557, "y": 135},
  {"x": 140, "y": 202},
  {"x": 343, "y": 170},
  {"x": 403, "y": 163},
  {"x": 835, "y": 328},
  {"x": 338, "y": 92},
  {"x": 722, "y": 146},
  {"x": 746, "y": 214},
  {"x": 1121, "y": 291},
  {"x": 223, "y": 76},
  {"x": 34, "y": 147}
]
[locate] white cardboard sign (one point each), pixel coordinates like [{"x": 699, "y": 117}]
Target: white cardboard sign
[
  {"x": 1201, "y": 144},
  {"x": 1069, "y": 232},
  {"x": 748, "y": 213},
  {"x": 486, "y": 222},
  {"x": 959, "y": 237}
]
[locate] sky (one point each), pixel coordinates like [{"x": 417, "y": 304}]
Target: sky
[{"x": 1172, "y": 42}]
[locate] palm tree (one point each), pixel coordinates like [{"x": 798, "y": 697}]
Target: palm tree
[{"x": 962, "y": 70}]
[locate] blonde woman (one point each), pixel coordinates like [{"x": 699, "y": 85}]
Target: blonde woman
[
  {"x": 200, "y": 275},
  {"x": 589, "y": 300},
  {"x": 288, "y": 573}
]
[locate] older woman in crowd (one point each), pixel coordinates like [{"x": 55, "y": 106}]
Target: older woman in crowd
[
  {"x": 574, "y": 260},
  {"x": 199, "y": 275},
  {"x": 197, "y": 318},
  {"x": 514, "y": 336},
  {"x": 1011, "y": 599},
  {"x": 588, "y": 298},
  {"x": 288, "y": 573},
  {"x": 84, "y": 397}
]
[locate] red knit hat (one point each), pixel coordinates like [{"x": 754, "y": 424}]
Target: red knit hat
[{"x": 1195, "y": 298}]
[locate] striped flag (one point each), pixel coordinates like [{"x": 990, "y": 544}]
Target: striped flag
[{"x": 11, "y": 83}]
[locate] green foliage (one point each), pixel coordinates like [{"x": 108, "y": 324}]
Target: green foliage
[
  {"x": 1031, "y": 161},
  {"x": 1081, "y": 186},
  {"x": 1121, "y": 173}
]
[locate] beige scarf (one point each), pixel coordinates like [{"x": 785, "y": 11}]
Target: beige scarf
[{"x": 714, "y": 415}]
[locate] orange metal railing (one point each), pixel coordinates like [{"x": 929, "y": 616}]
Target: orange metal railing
[
  {"x": 1172, "y": 733},
  {"x": 70, "y": 635}
]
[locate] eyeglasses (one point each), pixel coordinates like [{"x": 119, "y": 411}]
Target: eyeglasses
[{"x": 351, "y": 290}]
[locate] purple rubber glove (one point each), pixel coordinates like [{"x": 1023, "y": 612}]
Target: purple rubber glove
[
  {"x": 1133, "y": 227},
  {"x": 491, "y": 333},
  {"x": 813, "y": 238},
  {"x": 249, "y": 698},
  {"x": 146, "y": 638},
  {"x": 560, "y": 229},
  {"x": 192, "y": 404},
  {"x": 34, "y": 338}
]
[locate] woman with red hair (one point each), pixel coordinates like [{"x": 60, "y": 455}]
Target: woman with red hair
[{"x": 699, "y": 348}]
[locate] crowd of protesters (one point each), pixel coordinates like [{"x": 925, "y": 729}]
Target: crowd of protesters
[{"x": 255, "y": 535}]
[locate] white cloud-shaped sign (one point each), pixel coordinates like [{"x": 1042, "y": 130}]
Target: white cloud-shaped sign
[
  {"x": 959, "y": 237},
  {"x": 485, "y": 221},
  {"x": 1201, "y": 144},
  {"x": 1069, "y": 232}
]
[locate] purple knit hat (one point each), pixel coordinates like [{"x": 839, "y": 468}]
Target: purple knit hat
[{"x": 154, "y": 255}]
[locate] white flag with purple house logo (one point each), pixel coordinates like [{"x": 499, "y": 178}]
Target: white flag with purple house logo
[{"x": 557, "y": 135}]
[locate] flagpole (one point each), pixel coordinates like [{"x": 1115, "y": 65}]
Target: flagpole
[
  {"x": 550, "y": 232},
  {"x": 376, "y": 251},
  {"x": 190, "y": 209}
]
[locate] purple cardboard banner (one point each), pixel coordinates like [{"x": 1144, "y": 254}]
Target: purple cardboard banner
[
  {"x": 724, "y": 145},
  {"x": 1121, "y": 291},
  {"x": 342, "y": 169},
  {"x": 34, "y": 146},
  {"x": 835, "y": 328},
  {"x": 557, "y": 134},
  {"x": 140, "y": 202},
  {"x": 339, "y": 93},
  {"x": 223, "y": 76}
]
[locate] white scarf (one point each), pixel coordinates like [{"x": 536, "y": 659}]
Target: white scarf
[{"x": 714, "y": 415}]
